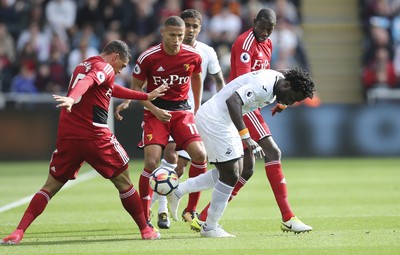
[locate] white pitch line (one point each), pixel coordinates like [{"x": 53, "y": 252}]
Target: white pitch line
[{"x": 81, "y": 178}]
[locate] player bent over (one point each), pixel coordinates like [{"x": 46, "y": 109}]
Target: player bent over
[
  {"x": 222, "y": 129},
  {"x": 83, "y": 136}
]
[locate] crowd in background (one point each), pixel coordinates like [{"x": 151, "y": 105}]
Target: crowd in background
[
  {"x": 41, "y": 41},
  {"x": 381, "y": 46}
]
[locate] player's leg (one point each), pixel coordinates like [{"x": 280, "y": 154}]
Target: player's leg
[
  {"x": 197, "y": 167},
  {"x": 258, "y": 129},
  {"x": 131, "y": 201},
  {"x": 109, "y": 158},
  {"x": 36, "y": 206},
  {"x": 187, "y": 137},
  {"x": 63, "y": 167},
  {"x": 155, "y": 137},
  {"x": 248, "y": 163},
  {"x": 229, "y": 175},
  {"x": 170, "y": 158},
  {"x": 276, "y": 178},
  {"x": 152, "y": 155},
  {"x": 183, "y": 161}
]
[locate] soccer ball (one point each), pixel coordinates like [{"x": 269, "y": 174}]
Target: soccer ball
[{"x": 163, "y": 180}]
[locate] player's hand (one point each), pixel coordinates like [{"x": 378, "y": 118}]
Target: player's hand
[
  {"x": 122, "y": 106},
  {"x": 278, "y": 108},
  {"x": 253, "y": 147},
  {"x": 66, "y": 102},
  {"x": 158, "y": 92},
  {"x": 162, "y": 115}
]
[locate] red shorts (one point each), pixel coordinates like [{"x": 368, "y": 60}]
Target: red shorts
[
  {"x": 258, "y": 129},
  {"x": 105, "y": 155},
  {"x": 181, "y": 128}
]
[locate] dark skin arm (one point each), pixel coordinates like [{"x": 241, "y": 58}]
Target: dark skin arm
[
  {"x": 234, "y": 103},
  {"x": 219, "y": 80}
]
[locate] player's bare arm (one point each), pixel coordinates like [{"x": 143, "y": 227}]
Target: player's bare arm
[
  {"x": 234, "y": 104},
  {"x": 125, "y": 104},
  {"x": 219, "y": 80},
  {"x": 197, "y": 88}
]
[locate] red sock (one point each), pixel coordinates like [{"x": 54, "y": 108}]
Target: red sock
[
  {"x": 238, "y": 186},
  {"x": 277, "y": 181},
  {"x": 195, "y": 170},
  {"x": 131, "y": 201},
  {"x": 145, "y": 192},
  {"x": 35, "y": 208}
]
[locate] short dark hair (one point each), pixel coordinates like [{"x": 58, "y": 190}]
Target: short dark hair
[
  {"x": 191, "y": 13},
  {"x": 266, "y": 15},
  {"x": 175, "y": 21},
  {"x": 119, "y": 47},
  {"x": 300, "y": 80}
]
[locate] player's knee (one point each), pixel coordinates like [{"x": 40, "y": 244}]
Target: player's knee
[
  {"x": 151, "y": 164},
  {"x": 199, "y": 156}
]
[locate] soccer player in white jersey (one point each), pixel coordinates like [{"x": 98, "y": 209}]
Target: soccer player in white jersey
[
  {"x": 222, "y": 129},
  {"x": 210, "y": 65}
]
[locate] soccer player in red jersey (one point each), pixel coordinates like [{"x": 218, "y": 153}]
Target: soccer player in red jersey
[
  {"x": 83, "y": 136},
  {"x": 179, "y": 66},
  {"x": 252, "y": 51}
]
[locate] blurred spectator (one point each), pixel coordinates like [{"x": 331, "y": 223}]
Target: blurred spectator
[
  {"x": 82, "y": 52},
  {"x": 61, "y": 15},
  {"x": 38, "y": 40},
  {"x": 86, "y": 31},
  {"x": 56, "y": 34},
  {"x": 380, "y": 71},
  {"x": 225, "y": 27},
  {"x": 113, "y": 15},
  {"x": 7, "y": 43},
  {"x": 5, "y": 70},
  {"x": 51, "y": 76},
  {"x": 89, "y": 12},
  {"x": 7, "y": 57},
  {"x": 286, "y": 10},
  {"x": 142, "y": 30},
  {"x": 285, "y": 42},
  {"x": 381, "y": 53},
  {"x": 59, "y": 46},
  {"x": 24, "y": 81},
  {"x": 170, "y": 8},
  {"x": 396, "y": 63},
  {"x": 9, "y": 15}
]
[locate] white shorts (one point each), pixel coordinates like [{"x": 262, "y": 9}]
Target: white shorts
[{"x": 221, "y": 140}]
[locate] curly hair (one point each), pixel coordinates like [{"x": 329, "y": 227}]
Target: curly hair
[{"x": 300, "y": 80}]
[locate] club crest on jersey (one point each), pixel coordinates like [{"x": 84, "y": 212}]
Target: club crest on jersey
[
  {"x": 245, "y": 57},
  {"x": 186, "y": 66},
  {"x": 101, "y": 76},
  {"x": 249, "y": 93},
  {"x": 136, "y": 69}
]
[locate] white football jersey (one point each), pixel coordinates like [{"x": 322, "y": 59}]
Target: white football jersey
[
  {"x": 254, "y": 88},
  {"x": 210, "y": 64}
]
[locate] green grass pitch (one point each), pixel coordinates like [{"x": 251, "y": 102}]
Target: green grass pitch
[{"x": 353, "y": 205}]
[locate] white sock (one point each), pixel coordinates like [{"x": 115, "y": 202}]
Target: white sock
[
  {"x": 154, "y": 198},
  {"x": 199, "y": 183},
  {"x": 162, "y": 204},
  {"x": 219, "y": 201}
]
